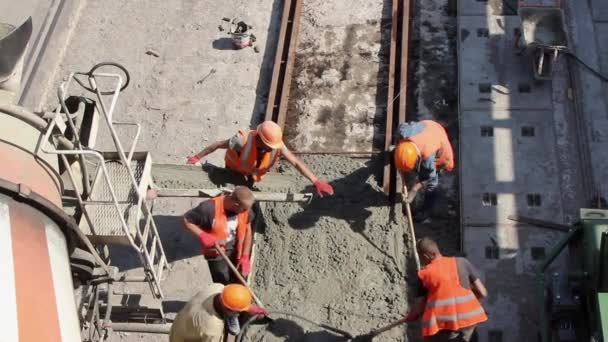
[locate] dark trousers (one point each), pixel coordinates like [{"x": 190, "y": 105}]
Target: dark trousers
[
  {"x": 220, "y": 272},
  {"x": 462, "y": 335}
]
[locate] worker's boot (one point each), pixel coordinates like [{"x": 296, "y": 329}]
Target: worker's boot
[{"x": 233, "y": 325}]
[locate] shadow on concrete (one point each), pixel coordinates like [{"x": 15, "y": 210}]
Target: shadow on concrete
[
  {"x": 222, "y": 44},
  {"x": 177, "y": 243},
  {"x": 290, "y": 331},
  {"x": 265, "y": 76},
  {"x": 351, "y": 201}
]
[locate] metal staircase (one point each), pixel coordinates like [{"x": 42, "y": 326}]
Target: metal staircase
[{"x": 113, "y": 205}]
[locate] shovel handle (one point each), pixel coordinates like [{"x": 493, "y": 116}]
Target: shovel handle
[
  {"x": 388, "y": 327},
  {"x": 237, "y": 274},
  {"x": 411, "y": 225}
]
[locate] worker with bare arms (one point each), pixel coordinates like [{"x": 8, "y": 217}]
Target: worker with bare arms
[
  {"x": 424, "y": 149},
  {"x": 252, "y": 154},
  {"x": 447, "y": 304},
  {"x": 204, "y": 316},
  {"x": 224, "y": 220}
]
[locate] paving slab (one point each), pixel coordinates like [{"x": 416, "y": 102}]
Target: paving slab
[
  {"x": 493, "y": 73},
  {"x": 507, "y": 257},
  {"x": 510, "y": 157}
]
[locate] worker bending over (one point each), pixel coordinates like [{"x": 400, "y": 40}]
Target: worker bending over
[
  {"x": 252, "y": 154},
  {"x": 224, "y": 220},
  {"x": 423, "y": 148},
  {"x": 448, "y": 304},
  {"x": 202, "y": 319}
]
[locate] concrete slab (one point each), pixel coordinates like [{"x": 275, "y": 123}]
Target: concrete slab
[
  {"x": 500, "y": 172},
  {"x": 487, "y": 7},
  {"x": 199, "y": 89},
  {"x": 590, "y": 92},
  {"x": 508, "y": 271},
  {"x": 599, "y": 9},
  {"x": 493, "y": 73}
]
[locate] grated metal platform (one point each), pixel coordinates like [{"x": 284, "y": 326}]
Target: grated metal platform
[{"x": 108, "y": 227}]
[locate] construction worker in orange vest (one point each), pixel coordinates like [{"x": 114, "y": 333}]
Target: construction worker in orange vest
[
  {"x": 423, "y": 148},
  {"x": 224, "y": 220},
  {"x": 252, "y": 153},
  {"x": 447, "y": 304},
  {"x": 203, "y": 318}
]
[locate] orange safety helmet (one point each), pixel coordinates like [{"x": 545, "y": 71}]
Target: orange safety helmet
[
  {"x": 271, "y": 134},
  {"x": 236, "y": 297},
  {"x": 406, "y": 156}
]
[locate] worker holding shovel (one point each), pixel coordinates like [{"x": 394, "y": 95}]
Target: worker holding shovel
[
  {"x": 448, "y": 304},
  {"x": 203, "y": 318},
  {"x": 224, "y": 221},
  {"x": 424, "y": 149},
  {"x": 252, "y": 154}
]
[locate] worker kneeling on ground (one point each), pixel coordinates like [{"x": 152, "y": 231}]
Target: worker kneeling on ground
[
  {"x": 224, "y": 221},
  {"x": 252, "y": 154},
  {"x": 202, "y": 319},
  {"x": 423, "y": 148},
  {"x": 448, "y": 304}
]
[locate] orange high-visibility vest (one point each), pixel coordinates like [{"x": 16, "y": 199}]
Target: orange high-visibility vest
[
  {"x": 449, "y": 306},
  {"x": 219, "y": 229},
  {"x": 246, "y": 163},
  {"x": 433, "y": 139}
]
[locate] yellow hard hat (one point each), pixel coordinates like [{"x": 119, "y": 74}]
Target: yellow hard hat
[
  {"x": 271, "y": 134},
  {"x": 236, "y": 297},
  {"x": 406, "y": 156}
]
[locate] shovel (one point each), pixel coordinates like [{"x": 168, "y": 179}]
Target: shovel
[
  {"x": 370, "y": 335},
  {"x": 238, "y": 274}
]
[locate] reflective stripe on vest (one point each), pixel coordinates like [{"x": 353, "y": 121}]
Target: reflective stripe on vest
[
  {"x": 450, "y": 301},
  {"x": 246, "y": 162},
  {"x": 449, "y": 306},
  {"x": 451, "y": 318},
  {"x": 219, "y": 227},
  {"x": 433, "y": 140}
]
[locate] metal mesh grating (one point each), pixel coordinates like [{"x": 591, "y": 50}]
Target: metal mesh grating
[{"x": 104, "y": 216}]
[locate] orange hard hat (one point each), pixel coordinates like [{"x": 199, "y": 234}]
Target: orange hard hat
[
  {"x": 271, "y": 134},
  {"x": 406, "y": 156},
  {"x": 236, "y": 297}
]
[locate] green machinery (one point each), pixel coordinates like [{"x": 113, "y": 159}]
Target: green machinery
[{"x": 576, "y": 303}]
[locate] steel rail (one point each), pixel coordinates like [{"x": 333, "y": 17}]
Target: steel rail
[
  {"x": 397, "y": 83},
  {"x": 278, "y": 97}
]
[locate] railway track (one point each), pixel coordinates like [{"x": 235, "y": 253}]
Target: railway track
[{"x": 395, "y": 103}]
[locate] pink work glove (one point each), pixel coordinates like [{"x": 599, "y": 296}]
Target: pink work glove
[
  {"x": 256, "y": 310},
  {"x": 207, "y": 240},
  {"x": 192, "y": 159},
  {"x": 244, "y": 265},
  {"x": 323, "y": 188}
]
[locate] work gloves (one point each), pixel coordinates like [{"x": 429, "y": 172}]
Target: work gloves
[
  {"x": 207, "y": 240},
  {"x": 193, "y": 159},
  {"x": 323, "y": 188},
  {"x": 257, "y": 311},
  {"x": 244, "y": 265},
  {"x": 411, "y": 196}
]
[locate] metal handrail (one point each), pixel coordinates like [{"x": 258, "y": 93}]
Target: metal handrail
[{"x": 104, "y": 171}]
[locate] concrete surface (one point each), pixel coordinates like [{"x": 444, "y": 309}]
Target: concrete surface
[
  {"x": 503, "y": 166},
  {"x": 509, "y": 165},
  {"x": 487, "y": 7},
  {"x": 338, "y": 89},
  {"x": 493, "y": 74},
  {"x": 199, "y": 89},
  {"x": 343, "y": 260}
]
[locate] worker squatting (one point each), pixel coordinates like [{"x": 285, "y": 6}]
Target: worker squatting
[{"x": 448, "y": 301}]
